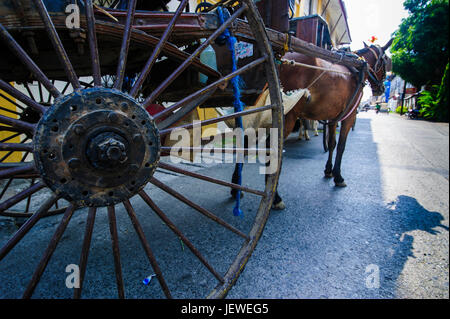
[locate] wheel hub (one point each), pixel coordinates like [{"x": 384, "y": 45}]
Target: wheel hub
[
  {"x": 107, "y": 150},
  {"x": 96, "y": 147}
]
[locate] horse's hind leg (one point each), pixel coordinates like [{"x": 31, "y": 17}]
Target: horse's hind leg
[
  {"x": 277, "y": 203},
  {"x": 306, "y": 130},
  {"x": 300, "y": 130},
  {"x": 303, "y": 131},
  {"x": 345, "y": 129},
  {"x": 331, "y": 146},
  {"x": 315, "y": 124}
]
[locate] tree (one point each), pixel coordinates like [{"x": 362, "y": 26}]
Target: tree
[
  {"x": 434, "y": 102},
  {"x": 420, "y": 47}
]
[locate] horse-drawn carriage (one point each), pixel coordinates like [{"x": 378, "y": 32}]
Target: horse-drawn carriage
[{"x": 91, "y": 91}]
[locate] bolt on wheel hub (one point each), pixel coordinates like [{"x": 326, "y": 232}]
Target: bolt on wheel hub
[{"x": 96, "y": 147}]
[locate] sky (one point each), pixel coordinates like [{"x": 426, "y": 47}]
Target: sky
[
  {"x": 379, "y": 18},
  {"x": 367, "y": 18}
]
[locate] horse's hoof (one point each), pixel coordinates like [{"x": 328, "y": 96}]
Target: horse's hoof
[
  {"x": 307, "y": 138},
  {"x": 279, "y": 206},
  {"x": 329, "y": 175},
  {"x": 316, "y": 134},
  {"x": 342, "y": 184}
]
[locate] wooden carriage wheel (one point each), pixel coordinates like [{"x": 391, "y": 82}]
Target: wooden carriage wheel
[{"x": 98, "y": 150}]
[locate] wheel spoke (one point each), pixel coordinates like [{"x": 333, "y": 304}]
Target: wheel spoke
[
  {"x": 57, "y": 44},
  {"x": 27, "y": 147},
  {"x": 146, "y": 246},
  {"x": 27, "y": 87},
  {"x": 21, "y": 97},
  {"x": 185, "y": 110},
  {"x": 27, "y": 61},
  {"x": 11, "y": 129},
  {"x": 49, "y": 98},
  {"x": 217, "y": 120},
  {"x": 154, "y": 95},
  {"x": 186, "y": 241},
  {"x": 5, "y": 188},
  {"x": 49, "y": 252},
  {"x": 65, "y": 88},
  {"x": 41, "y": 95},
  {"x": 20, "y": 196},
  {"x": 85, "y": 250},
  {"x": 92, "y": 38},
  {"x": 12, "y": 242},
  {"x": 12, "y": 102},
  {"x": 125, "y": 45},
  {"x": 213, "y": 85},
  {"x": 200, "y": 209},
  {"x": 209, "y": 179},
  {"x": 21, "y": 125},
  {"x": 116, "y": 251},
  {"x": 11, "y": 172},
  {"x": 11, "y": 152},
  {"x": 27, "y": 215},
  {"x": 27, "y": 207},
  {"x": 229, "y": 150},
  {"x": 162, "y": 42}
]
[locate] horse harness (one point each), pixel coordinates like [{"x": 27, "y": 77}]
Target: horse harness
[
  {"x": 372, "y": 73},
  {"x": 361, "y": 73},
  {"x": 351, "y": 104},
  {"x": 380, "y": 57}
]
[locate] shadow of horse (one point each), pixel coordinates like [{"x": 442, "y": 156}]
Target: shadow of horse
[{"x": 405, "y": 215}]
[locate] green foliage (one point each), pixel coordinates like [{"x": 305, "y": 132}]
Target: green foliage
[
  {"x": 434, "y": 102},
  {"x": 398, "y": 109},
  {"x": 420, "y": 47},
  {"x": 427, "y": 102}
]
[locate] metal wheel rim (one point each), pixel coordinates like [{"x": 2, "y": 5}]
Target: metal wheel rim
[{"x": 237, "y": 266}]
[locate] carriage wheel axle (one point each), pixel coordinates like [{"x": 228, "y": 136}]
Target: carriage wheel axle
[{"x": 96, "y": 147}]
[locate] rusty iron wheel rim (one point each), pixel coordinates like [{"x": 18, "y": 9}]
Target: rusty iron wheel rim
[{"x": 37, "y": 170}]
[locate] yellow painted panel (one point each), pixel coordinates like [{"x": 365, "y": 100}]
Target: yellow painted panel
[
  {"x": 210, "y": 1},
  {"x": 15, "y": 156},
  {"x": 206, "y": 114}
]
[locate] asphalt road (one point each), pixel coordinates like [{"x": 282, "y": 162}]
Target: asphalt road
[
  {"x": 392, "y": 217},
  {"x": 384, "y": 236}
]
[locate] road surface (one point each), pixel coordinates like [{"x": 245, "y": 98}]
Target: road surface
[{"x": 384, "y": 236}]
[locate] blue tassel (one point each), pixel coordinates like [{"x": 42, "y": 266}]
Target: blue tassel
[{"x": 237, "y": 84}]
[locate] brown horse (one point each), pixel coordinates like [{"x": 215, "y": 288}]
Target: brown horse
[
  {"x": 333, "y": 98},
  {"x": 331, "y": 93}
]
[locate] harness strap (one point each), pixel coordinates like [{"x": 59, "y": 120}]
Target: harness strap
[
  {"x": 295, "y": 63},
  {"x": 376, "y": 68},
  {"x": 351, "y": 105}
]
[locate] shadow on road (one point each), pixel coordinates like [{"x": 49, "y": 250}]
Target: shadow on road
[
  {"x": 406, "y": 215},
  {"x": 323, "y": 244}
]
